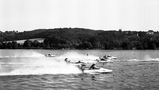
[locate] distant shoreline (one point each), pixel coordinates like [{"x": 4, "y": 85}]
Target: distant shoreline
[
  {"x": 82, "y": 49},
  {"x": 80, "y": 39}
]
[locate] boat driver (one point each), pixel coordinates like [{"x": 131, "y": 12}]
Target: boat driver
[
  {"x": 82, "y": 67},
  {"x": 93, "y": 66}
]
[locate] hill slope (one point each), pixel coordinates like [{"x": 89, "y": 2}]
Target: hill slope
[{"x": 79, "y": 38}]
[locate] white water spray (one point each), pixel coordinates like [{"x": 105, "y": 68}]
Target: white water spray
[
  {"x": 37, "y": 65},
  {"x": 149, "y": 58},
  {"x": 146, "y": 58}
]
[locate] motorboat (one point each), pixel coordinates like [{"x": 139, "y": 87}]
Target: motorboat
[
  {"x": 80, "y": 61},
  {"x": 107, "y": 58},
  {"x": 49, "y": 55},
  {"x": 85, "y": 66},
  {"x": 92, "y": 69}
]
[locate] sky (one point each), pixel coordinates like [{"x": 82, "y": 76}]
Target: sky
[{"x": 23, "y": 15}]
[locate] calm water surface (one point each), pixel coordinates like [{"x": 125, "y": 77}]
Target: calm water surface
[{"x": 31, "y": 70}]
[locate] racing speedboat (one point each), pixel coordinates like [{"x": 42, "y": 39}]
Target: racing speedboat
[
  {"x": 80, "y": 61},
  {"x": 49, "y": 55},
  {"x": 107, "y": 58},
  {"x": 93, "y": 69}
]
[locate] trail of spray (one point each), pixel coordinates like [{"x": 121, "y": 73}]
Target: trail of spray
[
  {"x": 38, "y": 66},
  {"x": 149, "y": 58},
  {"x": 146, "y": 58},
  {"x": 44, "y": 67}
]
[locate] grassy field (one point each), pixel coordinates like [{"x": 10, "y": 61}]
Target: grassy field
[{"x": 40, "y": 40}]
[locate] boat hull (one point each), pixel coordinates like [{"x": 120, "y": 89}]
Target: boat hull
[{"x": 98, "y": 71}]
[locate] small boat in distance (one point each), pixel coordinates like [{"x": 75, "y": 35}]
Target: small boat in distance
[
  {"x": 50, "y": 55},
  {"x": 80, "y": 61},
  {"x": 107, "y": 58}
]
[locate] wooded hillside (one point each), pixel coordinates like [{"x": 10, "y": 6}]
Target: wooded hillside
[{"x": 79, "y": 38}]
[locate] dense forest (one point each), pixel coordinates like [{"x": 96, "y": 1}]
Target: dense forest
[{"x": 79, "y": 38}]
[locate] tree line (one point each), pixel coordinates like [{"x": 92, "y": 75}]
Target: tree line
[{"x": 78, "y": 38}]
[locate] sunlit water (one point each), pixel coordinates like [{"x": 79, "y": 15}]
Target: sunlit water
[{"x": 31, "y": 70}]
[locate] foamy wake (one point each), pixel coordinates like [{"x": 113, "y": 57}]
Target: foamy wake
[
  {"x": 42, "y": 65},
  {"x": 145, "y": 60},
  {"x": 44, "y": 70}
]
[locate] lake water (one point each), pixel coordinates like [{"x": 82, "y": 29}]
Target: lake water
[{"x": 31, "y": 70}]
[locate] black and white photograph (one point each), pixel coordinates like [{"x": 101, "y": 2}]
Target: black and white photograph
[{"x": 79, "y": 44}]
